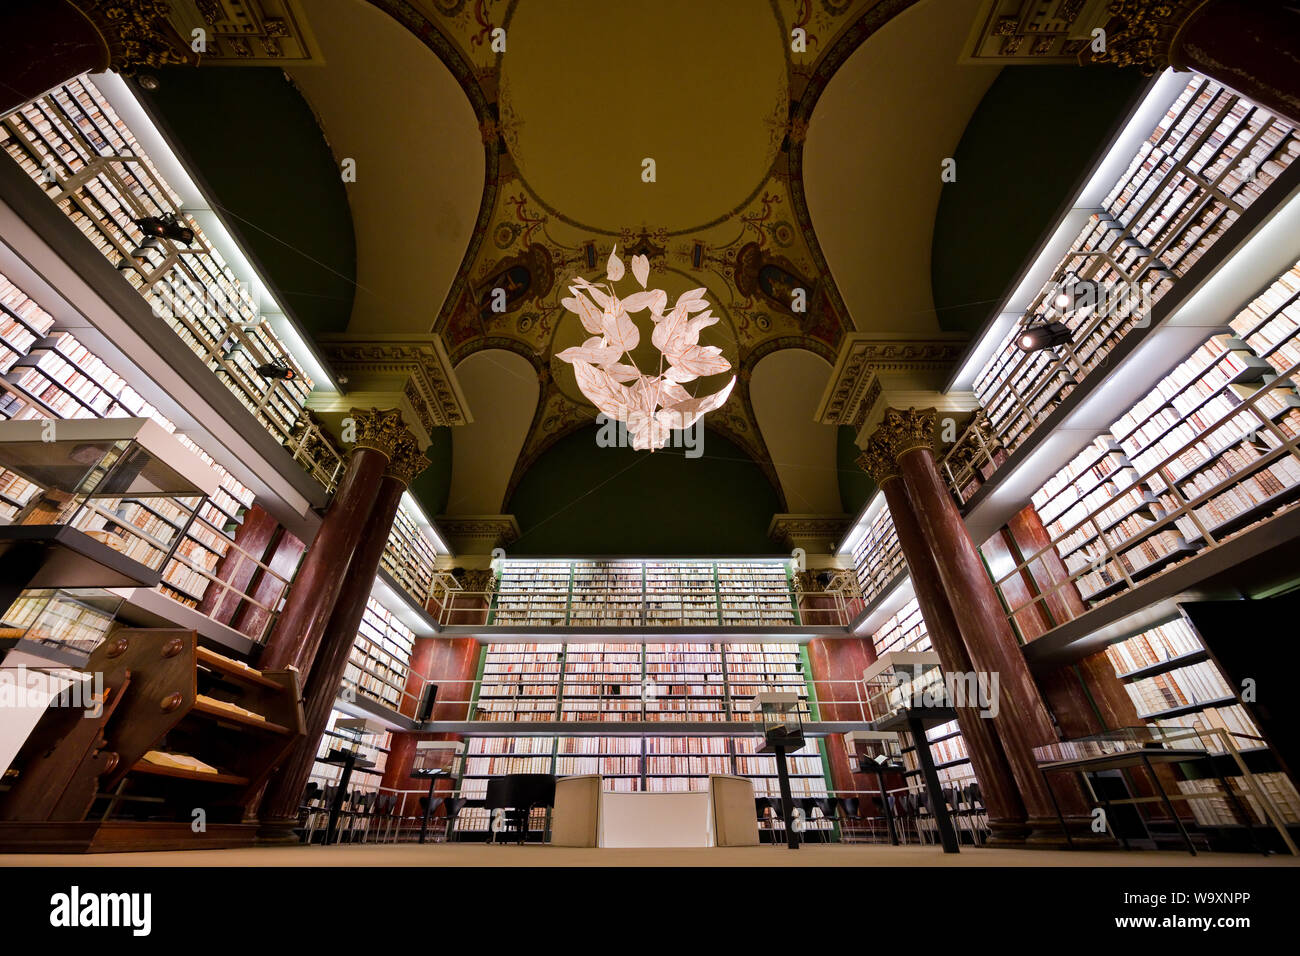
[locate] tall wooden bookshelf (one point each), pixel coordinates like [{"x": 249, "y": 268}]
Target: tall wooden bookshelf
[
  {"x": 642, "y": 682},
  {"x": 878, "y": 557},
  {"x": 1211, "y": 449},
  {"x": 410, "y": 557},
  {"x": 1174, "y": 683},
  {"x": 623, "y": 592},
  {"x": 1209, "y": 158},
  {"x": 82, "y": 154},
  {"x": 381, "y": 656}
]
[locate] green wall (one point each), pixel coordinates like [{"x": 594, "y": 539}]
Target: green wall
[
  {"x": 252, "y": 137},
  {"x": 432, "y": 486},
  {"x": 1020, "y": 159},
  {"x": 579, "y": 498},
  {"x": 856, "y": 485}
]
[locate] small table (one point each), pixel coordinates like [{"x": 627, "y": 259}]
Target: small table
[
  {"x": 433, "y": 776},
  {"x": 349, "y": 760},
  {"x": 916, "y": 721}
]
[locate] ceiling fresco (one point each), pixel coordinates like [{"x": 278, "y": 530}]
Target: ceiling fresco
[{"x": 568, "y": 114}]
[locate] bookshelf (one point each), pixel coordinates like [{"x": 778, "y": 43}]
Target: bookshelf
[
  {"x": 1210, "y": 450},
  {"x": 633, "y": 593},
  {"x": 49, "y": 376},
  {"x": 381, "y": 656},
  {"x": 375, "y": 747},
  {"x": 633, "y": 681},
  {"x": 878, "y": 557},
  {"x": 73, "y": 144},
  {"x": 1210, "y": 157},
  {"x": 1174, "y": 684},
  {"x": 76, "y": 620},
  {"x": 641, "y": 682},
  {"x": 906, "y": 632},
  {"x": 410, "y": 557}
]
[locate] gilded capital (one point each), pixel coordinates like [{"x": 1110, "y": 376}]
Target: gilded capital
[
  {"x": 878, "y": 461},
  {"x": 1141, "y": 33},
  {"x": 407, "y": 461},
  {"x": 138, "y": 34},
  {"x": 380, "y": 429},
  {"x": 904, "y": 431}
]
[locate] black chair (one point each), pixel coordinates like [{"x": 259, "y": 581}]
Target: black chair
[
  {"x": 829, "y": 809},
  {"x": 849, "y": 808},
  {"x": 454, "y": 805}
]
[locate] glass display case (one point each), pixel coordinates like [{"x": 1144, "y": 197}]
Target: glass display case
[
  {"x": 874, "y": 751},
  {"x": 61, "y": 624},
  {"x": 904, "y": 680},
  {"x": 125, "y": 483},
  {"x": 781, "y": 714},
  {"x": 437, "y": 758}
]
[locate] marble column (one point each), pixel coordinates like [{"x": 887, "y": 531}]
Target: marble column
[
  {"x": 1006, "y": 811},
  {"x": 315, "y": 590},
  {"x": 279, "y": 809},
  {"x": 1022, "y": 720},
  {"x": 1247, "y": 45}
]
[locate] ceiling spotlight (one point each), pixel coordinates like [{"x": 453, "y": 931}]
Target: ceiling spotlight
[
  {"x": 1074, "y": 293},
  {"x": 166, "y": 227},
  {"x": 279, "y": 369},
  {"x": 1044, "y": 335}
]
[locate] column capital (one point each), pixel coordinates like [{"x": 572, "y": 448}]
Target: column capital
[
  {"x": 380, "y": 429},
  {"x": 878, "y": 461},
  {"x": 408, "y": 460},
  {"x": 1142, "y": 33},
  {"x": 138, "y": 34},
  {"x": 902, "y": 431}
]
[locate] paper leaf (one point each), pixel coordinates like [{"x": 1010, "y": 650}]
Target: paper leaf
[
  {"x": 598, "y": 356},
  {"x": 640, "y": 300},
  {"x": 686, "y": 413},
  {"x": 587, "y": 313},
  {"x": 641, "y": 269},
  {"x": 620, "y": 330},
  {"x": 606, "y": 394},
  {"x": 699, "y": 360},
  {"x": 623, "y": 373},
  {"x": 614, "y": 267}
]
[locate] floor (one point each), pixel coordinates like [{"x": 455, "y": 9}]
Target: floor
[{"x": 470, "y": 854}]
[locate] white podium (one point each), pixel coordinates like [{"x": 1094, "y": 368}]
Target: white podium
[{"x": 656, "y": 819}]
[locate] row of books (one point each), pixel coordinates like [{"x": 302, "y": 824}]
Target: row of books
[
  {"x": 1184, "y": 686},
  {"x": 1212, "y": 807},
  {"x": 905, "y": 631},
  {"x": 1162, "y": 643},
  {"x": 57, "y": 618},
  {"x": 409, "y": 556}
]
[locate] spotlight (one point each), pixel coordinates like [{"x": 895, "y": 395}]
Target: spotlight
[
  {"x": 1044, "y": 335},
  {"x": 1074, "y": 293},
  {"x": 166, "y": 227},
  {"x": 279, "y": 369}
]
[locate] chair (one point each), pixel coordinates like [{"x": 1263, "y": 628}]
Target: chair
[
  {"x": 454, "y": 805},
  {"x": 849, "y": 808},
  {"x": 829, "y": 809}
]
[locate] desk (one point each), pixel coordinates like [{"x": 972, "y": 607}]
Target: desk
[{"x": 656, "y": 819}]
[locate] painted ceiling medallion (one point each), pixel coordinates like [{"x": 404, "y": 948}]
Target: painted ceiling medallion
[{"x": 651, "y": 406}]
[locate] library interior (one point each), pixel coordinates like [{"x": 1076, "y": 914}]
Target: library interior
[{"x": 506, "y": 432}]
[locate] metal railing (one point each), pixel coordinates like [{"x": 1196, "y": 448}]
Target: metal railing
[{"x": 564, "y": 607}]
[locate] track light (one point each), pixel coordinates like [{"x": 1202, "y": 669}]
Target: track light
[
  {"x": 1044, "y": 335},
  {"x": 279, "y": 369},
  {"x": 1075, "y": 293},
  {"x": 166, "y": 227}
]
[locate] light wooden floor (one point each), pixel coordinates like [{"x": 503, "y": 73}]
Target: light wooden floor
[{"x": 470, "y": 854}]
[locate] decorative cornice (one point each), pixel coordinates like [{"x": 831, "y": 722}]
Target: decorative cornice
[
  {"x": 1141, "y": 33},
  {"x": 414, "y": 366},
  {"x": 904, "y": 431},
  {"x": 379, "y": 429},
  {"x": 478, "y": 534},
  {"x": 878, "y": 461},
  {"x": 854, "y": 386},
  {"x": 138, "y": 34},
  {"x": 801, "y": 530},
  {"x": 408, "y": 460}
]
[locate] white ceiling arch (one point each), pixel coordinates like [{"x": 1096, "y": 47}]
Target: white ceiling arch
[
  {"x": 502, "y": 388},
  {"x": 784, "y": 389}
]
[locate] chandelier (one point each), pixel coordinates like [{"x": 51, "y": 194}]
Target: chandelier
[{"x": 651, "y": 406}]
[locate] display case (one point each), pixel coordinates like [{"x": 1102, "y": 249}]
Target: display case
[
  {"x": 57, "y": 625},
  {"x": 904, "y": 680},
  {"x": 781, "y": 715},
  {"x": 113, "y": 499},
  {"x": 437, "y": 758},
  {"x": 874, "y": 751}
]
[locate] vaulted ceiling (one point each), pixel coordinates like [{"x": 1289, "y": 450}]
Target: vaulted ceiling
[{"x": 770, "y": 169}]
